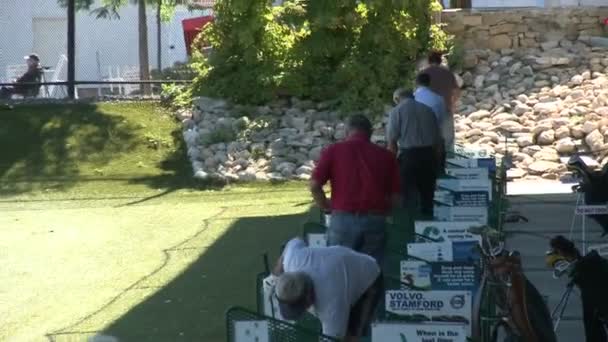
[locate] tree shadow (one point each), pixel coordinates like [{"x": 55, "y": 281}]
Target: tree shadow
[
  {"x": 192, "y": 305},
  {"x": 45, "y": 149}
]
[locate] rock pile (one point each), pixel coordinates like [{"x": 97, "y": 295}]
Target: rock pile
[
  {"x": 283, "y": 141},
  {"x": 539, "y": 105}
]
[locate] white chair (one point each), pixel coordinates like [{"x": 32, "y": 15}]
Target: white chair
[
  {"x": 114, "y": 76},
  {"x": 57, "y": 73},
  {"x": 130, "y": 73}
]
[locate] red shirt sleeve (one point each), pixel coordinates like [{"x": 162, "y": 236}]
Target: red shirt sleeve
[{"x": 322, "y": 171}]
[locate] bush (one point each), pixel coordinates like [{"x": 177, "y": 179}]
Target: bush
[{"x": 355, "y": 51}]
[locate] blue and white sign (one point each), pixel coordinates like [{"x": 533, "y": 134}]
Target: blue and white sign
[
  {"x": 416, "y": 273},
  {"x": 464, "y": 250},
  {"x": 461, "y": 214},
  {"x": 445, "y": 230},
  {"x": 316, "y": 240},
  {"x": 487, "y": 163},
  {"x": 465, "y": 185},
  {"x": 476, "y": 173},
  {"x": 419, "y": 332},
  {"x": 444, "y": 306},
  {"x": 251, "y": 331},
  {"x": 462, "y": 198},
  {"x": 454, "y": 276}
]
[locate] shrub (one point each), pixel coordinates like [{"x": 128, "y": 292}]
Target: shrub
[{"x": 355, "y": 51}]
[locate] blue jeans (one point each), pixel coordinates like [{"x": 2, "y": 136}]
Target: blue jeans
[{"x": 362, "y": 233}]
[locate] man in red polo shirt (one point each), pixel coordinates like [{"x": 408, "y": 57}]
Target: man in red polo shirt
[{"x": 364, "y": 180}]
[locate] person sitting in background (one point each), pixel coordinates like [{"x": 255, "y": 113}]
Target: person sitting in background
[
  {"x": 21, "y": 86},
  {"x": 342, "y": 286},
  {"x": 444, "y": 83},
  {"x": 413, "y": 134}
]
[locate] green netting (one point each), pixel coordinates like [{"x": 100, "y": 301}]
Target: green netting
[{"x": 278, "y": 331}]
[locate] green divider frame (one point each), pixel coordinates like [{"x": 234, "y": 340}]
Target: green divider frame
[{"x": 279, "y": 331}]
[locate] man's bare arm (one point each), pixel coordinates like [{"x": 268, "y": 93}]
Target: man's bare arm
[
  {"x": 278, "y": 268},
  {"x": 392, "y": 146},
  {"x": 318, "y": 195}
]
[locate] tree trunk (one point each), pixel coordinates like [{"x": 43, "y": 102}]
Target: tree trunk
[
  {"x": 144, "y": 61},
  {"x": 159, "y": 27}
]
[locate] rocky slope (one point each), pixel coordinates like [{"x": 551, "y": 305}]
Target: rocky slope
[{"x": 539, "y": 105}]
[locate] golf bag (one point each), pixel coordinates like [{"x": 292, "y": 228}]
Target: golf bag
[{"x": 594, "y": 186}]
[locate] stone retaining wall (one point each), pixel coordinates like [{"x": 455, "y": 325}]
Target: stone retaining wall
[{"x": 525, "y": 27}]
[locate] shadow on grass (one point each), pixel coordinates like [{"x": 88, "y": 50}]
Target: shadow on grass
[
  {"x": 44, "y": 144},
  {"x": 191, "y": 307}
]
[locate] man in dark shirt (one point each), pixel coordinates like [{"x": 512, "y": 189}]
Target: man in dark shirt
[
  {"x": 444, "y": 83},
  {"x": 413, "y": 134},
  {"x": 364, "y": 180},
  {"x": 32, "y": 75}
]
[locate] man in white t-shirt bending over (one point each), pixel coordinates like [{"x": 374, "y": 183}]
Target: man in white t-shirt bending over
[{"x": 343, "y": 286}]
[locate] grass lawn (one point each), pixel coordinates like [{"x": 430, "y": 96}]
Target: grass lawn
[{"x": 104, "y": 231}]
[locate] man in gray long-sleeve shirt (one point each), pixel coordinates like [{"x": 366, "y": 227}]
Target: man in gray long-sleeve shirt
[{"x": 413, "y": 133}]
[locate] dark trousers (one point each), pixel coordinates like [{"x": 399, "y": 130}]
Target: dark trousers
[{"x": 419, "y": 169}]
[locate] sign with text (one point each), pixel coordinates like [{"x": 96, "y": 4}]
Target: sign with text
[
  {"x": 420, "y": 332},
  {"x": 475, "y": 152},
  {"x": 464, "y": 250},
  {"x": 445, "y": 230},
  {"x": 461, "y": 214},
  {"x": 486, "y": 163},
  {"x": 600, "y": 249},
  {"x": 316, "y": 240},
  {"x": 251, "y": 331},
  {"x": 462, "y": 276},
  {"x": 466, "y": 185},
  {"x": 416, "y": 273},
  {"x": 474, "y": 173},
  {"x": 443, "y": 306},
  {"x": 591, "y": 210},
  {"x": 462, "y": 198}
]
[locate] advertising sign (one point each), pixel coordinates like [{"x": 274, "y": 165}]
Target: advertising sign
[
  {"x": 474, "y": 152},
  {"x": 461, "y": 214},
  {"x": 416, "y": 273},
  {"x": 462, "y": 198},
  {"x": 465, "y": 185},
  {"x": 251, "y": 331},
  {"x": 433, "y": 251},
  {"x": 464, "y": 250},
  {"x": 454, "y": 276},
  {"x": 316, "y": 240},
  {"x": 420, "y": 332},
  {"x": 486, "y": 163},
  {"x": 476, "y": 173},
  {"x": 442, "y": 306},
  {"x": 445, "y": 231}
]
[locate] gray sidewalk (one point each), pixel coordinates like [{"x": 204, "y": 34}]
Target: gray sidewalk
[{"x": 549, "y": 215}]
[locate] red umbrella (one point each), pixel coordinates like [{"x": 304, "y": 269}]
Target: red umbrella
[{"x": 192, "y": 27}]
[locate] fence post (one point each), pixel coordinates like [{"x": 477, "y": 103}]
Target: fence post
[{"x": 71, "y": 48}]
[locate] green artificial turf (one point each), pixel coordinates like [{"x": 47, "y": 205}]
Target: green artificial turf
[{"x": 105, "y": 232}]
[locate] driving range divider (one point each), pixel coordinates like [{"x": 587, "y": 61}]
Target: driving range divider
[{"x": 432, "y": 268}]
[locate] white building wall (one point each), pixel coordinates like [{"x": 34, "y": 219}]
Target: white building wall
[{"x": 114, "y": 41}]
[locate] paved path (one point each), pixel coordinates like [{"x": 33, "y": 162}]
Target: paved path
[{"x": 549, "y": 215}]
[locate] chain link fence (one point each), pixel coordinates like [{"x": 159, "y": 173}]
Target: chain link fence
[{"x": 129, "y": 50}]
